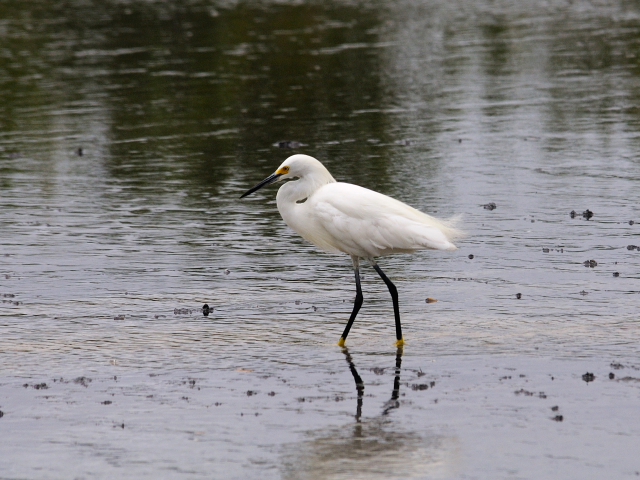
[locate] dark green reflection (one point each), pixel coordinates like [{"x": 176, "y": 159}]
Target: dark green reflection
[{"x": 192, "y": 93}]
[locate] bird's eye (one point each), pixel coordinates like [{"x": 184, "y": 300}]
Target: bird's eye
[{"x": 285, "y": 169}]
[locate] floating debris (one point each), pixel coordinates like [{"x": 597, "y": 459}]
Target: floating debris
[
  {"x": 119, "y": 317},
  {"x": 37, "y": 386},
  {"x": 430, "y": 300},
  {"x": 616, "y": 274},
  {"x": 182, "y": 311},
  {"x": 554, "y": 408},
  {"x": 588, "y": 377},
  {"x": 590, "y": 263},
  {"x": 527, "y": 393},
  {"x": 583, "y": 293},
  {"x": 490, "y": 206},
  {"x": 84, "y": 381},
  {"x": 632, "y": 247},
  {"x": 227, "y": 271},
  {"x": 558, "y": 418},
  {"x": 106, "y": 402},
  {"x": 545, "y": 250}
]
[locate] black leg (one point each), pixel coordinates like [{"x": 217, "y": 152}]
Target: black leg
[
  {"x": 394, "y": 296},
  {"x": 356, "y": 304}
]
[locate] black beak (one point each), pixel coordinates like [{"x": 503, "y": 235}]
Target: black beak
[{"x": 267, "y": 181}]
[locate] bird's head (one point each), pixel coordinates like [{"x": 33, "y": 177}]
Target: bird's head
[{"x": 296, "y": 166}]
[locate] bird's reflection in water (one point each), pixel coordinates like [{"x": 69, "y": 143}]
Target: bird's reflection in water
[
  {"x": 393, "y": 401},
  {"x": 371, "y": 448},
  {"x": 358, "y": 380}
]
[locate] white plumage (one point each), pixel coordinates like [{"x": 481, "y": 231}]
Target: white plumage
[{"x": 341, "y": 217}]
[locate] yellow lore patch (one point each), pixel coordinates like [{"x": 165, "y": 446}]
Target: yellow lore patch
[{"x": 282, "y": 171}]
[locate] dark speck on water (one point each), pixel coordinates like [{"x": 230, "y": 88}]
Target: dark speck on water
[
  {"x": 554, "y": 408},
  {"x": 37, "y": 386},
  {"x": 590, "y": 263},
  {"x": 612, "y": 375},
  {"x": 631, "y": 222},
  {"x": 588, "y": 377},
  {"x": 489, "y": 206},
  {"x": 289, "y": 144},
  {"x": 558, "y": 418},
  {"x": 518, "y": 296},
  {"x": 84, "y": 381},
  {"x": 616, "y": 274},
  {"x": 587, "y": 214},
  {"x": 79, "y": 152},
  {"x": 206, "y": 310},
  {"x": 632, "y": 247},
  {"x": 470, "y": 256}
]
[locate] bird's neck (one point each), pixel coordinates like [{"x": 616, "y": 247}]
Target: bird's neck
[{"x": 301, "y": 189}]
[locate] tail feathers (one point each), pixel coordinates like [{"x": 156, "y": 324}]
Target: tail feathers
[{"x": 449, "y": 228}]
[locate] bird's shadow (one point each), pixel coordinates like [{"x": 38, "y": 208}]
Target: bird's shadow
[{"x": 390, "y": 404}]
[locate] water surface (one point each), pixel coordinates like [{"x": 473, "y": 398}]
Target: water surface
[{"x": 129, "y": 130}]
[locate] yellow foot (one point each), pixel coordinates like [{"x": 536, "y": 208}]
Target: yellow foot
[
  {"x": 399, "y": 343},
  {"x": 341, "y": 342}
]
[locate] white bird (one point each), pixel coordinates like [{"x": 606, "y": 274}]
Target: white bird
[{"x": 341, "y": 217}]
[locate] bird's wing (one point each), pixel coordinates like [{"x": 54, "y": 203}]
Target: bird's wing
[{"x": 366, "y": 223}]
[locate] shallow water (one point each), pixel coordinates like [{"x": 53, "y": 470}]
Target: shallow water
[{"x": 108, "y": 254}]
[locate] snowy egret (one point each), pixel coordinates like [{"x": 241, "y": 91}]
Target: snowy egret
[{"x": 341, "y": 217}]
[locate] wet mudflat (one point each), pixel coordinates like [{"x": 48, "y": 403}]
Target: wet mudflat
[{"x": 129, "y": 131}]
